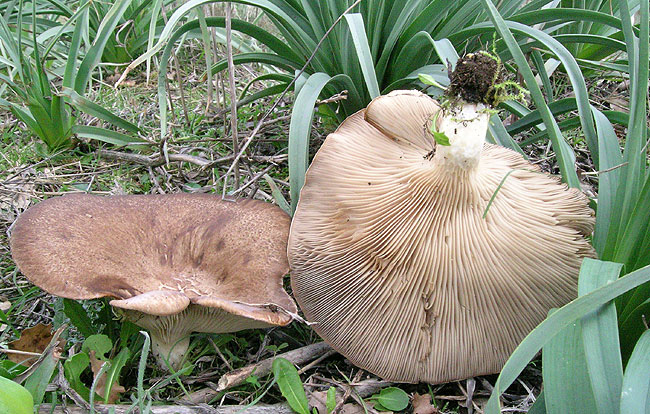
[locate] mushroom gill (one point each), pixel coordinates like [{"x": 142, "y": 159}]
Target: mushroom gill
[{"x": 397, "y": 259}]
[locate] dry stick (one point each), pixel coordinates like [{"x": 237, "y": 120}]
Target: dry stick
[
  {"x": 170, "y": 409},
  {"x": 233, "y": 100},
  {"x": 178, "y": 73},
  {"x": 158, "y": 160},
  {"x": 262, "y": 368},
  {"x": 277, "y": 100}
]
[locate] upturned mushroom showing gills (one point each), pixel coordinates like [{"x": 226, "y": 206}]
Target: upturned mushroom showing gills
[
  {"x": 399, "y": 262},
  {"x": 174, "y": 264}
]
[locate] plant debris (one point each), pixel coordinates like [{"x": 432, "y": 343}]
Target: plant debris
[{"x": 474, "y": 79}]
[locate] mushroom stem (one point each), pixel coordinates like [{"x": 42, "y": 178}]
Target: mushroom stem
[
  {"x": 169, "y": 350},
  {"x": 466, "y": 127},
  {"x": 170, "y": 336}
]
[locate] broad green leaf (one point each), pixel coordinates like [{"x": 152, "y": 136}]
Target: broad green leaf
[
  {"x": 635, "y": 397},
  {"x": 78, "y": 317},
  {"x": 286, "y": 375},
  {"x": 560, "y": 319},
  {"x": 73, "y": 367},
  {"x": 99, "y": 343},
  {"x": 392, "y": 398},
  {"x": 14, "y": 398}
]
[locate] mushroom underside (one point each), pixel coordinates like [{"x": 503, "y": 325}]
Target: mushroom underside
[
  {"x": 170, "y": 334},
  {"x": 420, "y": 272}
]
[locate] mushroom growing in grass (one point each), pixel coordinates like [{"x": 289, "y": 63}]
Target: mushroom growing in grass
[
  {"x": 422, "y": 253},
  {"x": 174, "y": 264}
]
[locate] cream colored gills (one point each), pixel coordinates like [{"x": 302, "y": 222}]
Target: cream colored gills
[{"x": 393, "y": 260}]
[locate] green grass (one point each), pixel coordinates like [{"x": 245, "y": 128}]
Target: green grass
[{"x": 390, "y": 39}]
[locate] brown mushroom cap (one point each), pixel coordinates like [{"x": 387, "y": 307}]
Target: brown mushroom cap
[
  {"x": 392, "y": 259},
  {"x": 176, "y": 263}
]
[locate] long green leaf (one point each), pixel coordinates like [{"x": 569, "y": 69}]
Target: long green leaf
[
  {"x": 564, "y": 153},
  {"x": 105, "y": 135},
  {"x": 635, "y": 397},
  {"x": 357, "y": 29},
  {"x": 300, "y": 129},
  {"x": 567, "y": 388},
  {"x": 91, "y": 108},
  {"x": 601, "y": 345},
  {"x": 79, "y": 317},
  {"x": 608, "y": 181},
  {"x": 560, "y": 319},
  {"x": 94, "y": 54}
]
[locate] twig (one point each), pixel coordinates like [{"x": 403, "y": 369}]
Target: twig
[
  {"x": 233, "y": 100},
  {"x": 262, "y": 368},
  {"x": 253, "y": 180},
  {"x": 170, "y": 409},
  {"x": 606, "y": 170},
  {"x": 158, "y": 160},
  {"x": 178, "y": 73},
  {"x": 341, "y": 96},
  {"x": 293, "y": 81}
]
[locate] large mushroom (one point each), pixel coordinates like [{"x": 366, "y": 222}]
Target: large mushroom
[
  {"x": 427, "y": 262},
  {"x": 175, "y": 264}
]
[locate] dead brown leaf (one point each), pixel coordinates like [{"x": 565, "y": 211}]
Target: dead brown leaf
[
  {"x": 34, "y": 339},
  {"x": 318, "y": 400},
  {"x": 100, "y": 388},
  {"x": 422, "y": 404}
]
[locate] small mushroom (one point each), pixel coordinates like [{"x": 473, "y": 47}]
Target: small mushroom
[
  {"x": 175, "y": 264},
  {"x": 427, "y": 262}
]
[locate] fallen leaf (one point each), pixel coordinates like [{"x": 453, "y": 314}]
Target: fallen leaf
[
  {"x": 350, "y": 408},
  {"x": 422, "y": 404},
  {"x": 100, "y": 388},
  {"x": 34, "y": 339},
  {"x": 317, "y": 400},
  {"x": 5, "y": 306}
]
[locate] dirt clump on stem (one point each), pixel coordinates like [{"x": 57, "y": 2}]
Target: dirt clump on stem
[{"x": 474, "y": 78}]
